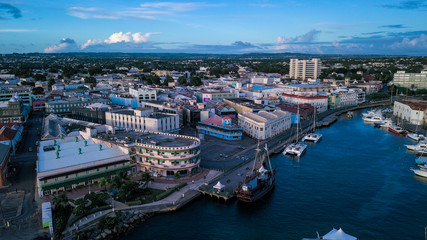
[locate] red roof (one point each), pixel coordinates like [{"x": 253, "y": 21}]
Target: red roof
[
  {"x": 217, "y": 121},
  {"x": 7, "y": 133},
  {"x": 9, "y": 124},
  {"x": 304, "y": 97}
]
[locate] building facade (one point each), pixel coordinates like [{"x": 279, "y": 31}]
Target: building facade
[
  {"x": 204, "y": 96},
  {"x": 13, "y": 111},
  {"x": 165, "y": 154},
  {"x": 4, "y": 159},
  {"x": 143, "y": 94},
  {"x": 318, "y": 101},
  {"x": 303, "y": 69},
  {"x": 23, "y": 92},
  {"x": 143, "y": 119},
  {"x": 413, "y": 111},
  {"x": 65, "y": 106},
  {"x": 410, "y": 80},
  {"x": 264, "y": 125},
  {"x": 220, "y": 128}
]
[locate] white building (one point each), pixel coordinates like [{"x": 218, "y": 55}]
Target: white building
[
  {"x": 303, "y": 69},
  {"x": 143, "y": 119},
  {"x": 318, "y": 101},
  {"x": 410, "y": 80},
  {"x": 65, "y": 164},
  {"x": 264, "y": 125},
  {"x": 143, "y": 94},
  {"x": 261, "y": 80},
  {"x": 413, "y": 111},
  {"x": 346, "y": 97}
]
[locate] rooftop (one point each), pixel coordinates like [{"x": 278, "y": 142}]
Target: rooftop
[
  {"x": 69, "y": 156},
  {"x": 217, "y": 121},
  {"x": 306, "y": 85},
  {"x": 161, "y": 140},
  {"x": 415, "y": 104}
]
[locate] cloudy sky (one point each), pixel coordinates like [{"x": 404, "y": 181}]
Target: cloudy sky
[{"x": 233, "y": 26}]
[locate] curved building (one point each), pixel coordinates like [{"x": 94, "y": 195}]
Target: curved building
[{"x": 166, "y": 154}]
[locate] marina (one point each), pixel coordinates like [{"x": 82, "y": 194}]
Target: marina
[{"x": 373, "y": 187}]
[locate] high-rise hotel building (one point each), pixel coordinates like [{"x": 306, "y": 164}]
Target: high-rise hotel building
[{"x": 303, "y": 69}]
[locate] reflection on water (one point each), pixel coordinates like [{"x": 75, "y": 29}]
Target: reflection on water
[{"x": 357, "y": 177}]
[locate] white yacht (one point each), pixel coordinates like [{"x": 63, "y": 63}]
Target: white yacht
[
  {"x": 419, "y": 172},
  {"x": 313, "y": 137},
  {"x": 416, "y": 136},
  {"x": 296, "y": 149},
  {"x": 417, "y": 147},
  {"x": 369, "y": 113},
  {"x": 374, "y": 119}
]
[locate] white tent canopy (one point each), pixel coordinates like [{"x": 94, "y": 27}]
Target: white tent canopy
[
  {"x": 219, "y": 186},
  {"x": 338, "y": 235}
]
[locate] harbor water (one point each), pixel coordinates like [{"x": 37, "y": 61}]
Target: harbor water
[{"x": 357, "y": 177}]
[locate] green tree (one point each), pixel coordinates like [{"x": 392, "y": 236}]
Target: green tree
[
  {"x": 102, "y": 182},
  {"x": 182, "y": 80},
  {"x": 146, "y": 178},
  {"x": 127, "y": 191},
  {"x": 38, "y": 90},
  {"x": 177, "y": 176},
  {"x": 106, "y": 222},
  {"x": 61, "y": 200},
  {"x": 167, "y": 80},
  {"x": 51, "y": 82},
  {"x": 195, "y": 81},
  {"x": 156, "y": 80}
]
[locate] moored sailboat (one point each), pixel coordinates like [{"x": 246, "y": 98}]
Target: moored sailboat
[
  {"x": 313, "y": 137},
  {"x": 261, "y": 180}
]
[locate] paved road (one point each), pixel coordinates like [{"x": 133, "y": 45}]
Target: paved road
[{"x": 24, "y": 180}]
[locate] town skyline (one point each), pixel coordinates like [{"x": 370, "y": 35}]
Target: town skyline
[{"x": 220, "y": 27}]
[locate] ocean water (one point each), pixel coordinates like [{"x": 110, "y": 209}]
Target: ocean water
[{"x": 357, "y": 177}]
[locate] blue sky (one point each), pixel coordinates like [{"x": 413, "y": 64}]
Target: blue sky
[{"x": 305, "y": 26}]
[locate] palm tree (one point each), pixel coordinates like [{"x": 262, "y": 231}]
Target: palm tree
[
  {"x": 177, "y": 176},
  {"x": 146, "y": 178},
  {"x": 61, "y": 200},
  {"x": 102, "y": 182}
]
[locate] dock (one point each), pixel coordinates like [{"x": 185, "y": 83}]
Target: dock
[{"x": 232, "y": 177}]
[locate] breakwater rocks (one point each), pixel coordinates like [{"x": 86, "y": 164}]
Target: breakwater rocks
[{"x": 115, "y": 226}]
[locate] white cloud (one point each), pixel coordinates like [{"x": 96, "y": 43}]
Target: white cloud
[
  {"x": 16, "y": 30},
  {"x": 119, "y": 37},
  {"x": 139, "y": 38},
  {"x": 306, "y": 37},
  {"x": 56, "y": 48},
  {"x": 146, "y": 11},
  {"x": 89, "y": 43},
  {"x": 416, "y": 42}
]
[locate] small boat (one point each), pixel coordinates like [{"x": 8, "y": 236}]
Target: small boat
[
  {"x": 419, "y": 172},
  {"x": 387, "y": 123},
  {"x": 423, "y": 167},
  {"x": 295, "y": 149},
  {"x": 421, "y": 160},
  {"x": 422, "y": 152},
  {"x": 260, "y": 182},
  {"x": 397, "y": 130},
  {"x": 416, "y": 136},
  {"x": 313, "y": 137},
  {"x": 334, "y": 235},
  {"x": 373, "y": 119},
  {"x": 417, "y": 147},
  {"x": 350, "y": 114},
  {"x": 369, "y": 113}
]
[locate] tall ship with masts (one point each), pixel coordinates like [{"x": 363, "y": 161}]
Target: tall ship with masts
[{"x": 261, "y": 180}]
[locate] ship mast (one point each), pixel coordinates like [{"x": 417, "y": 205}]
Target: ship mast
[
  {"x": 256, "y": 158},
  {"x": 268, "y": 157}
]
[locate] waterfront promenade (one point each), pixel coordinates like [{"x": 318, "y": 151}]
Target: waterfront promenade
[{"x": 230, "y": 177}]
